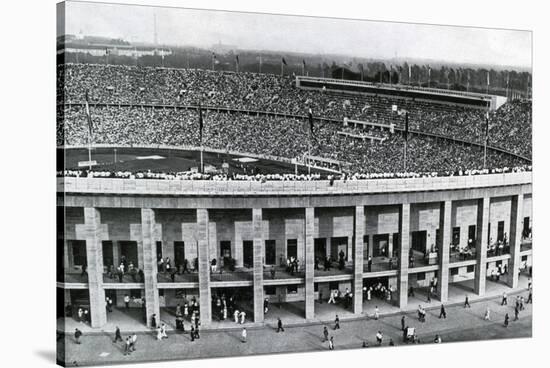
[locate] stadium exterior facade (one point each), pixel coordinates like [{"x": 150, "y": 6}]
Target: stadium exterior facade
[{"x": 260, "y": 223}]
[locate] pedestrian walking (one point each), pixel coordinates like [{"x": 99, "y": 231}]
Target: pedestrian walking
[
  {"x": 467, "y": 302},
  {"x": 379, "y": 337},
  {"x": 280, "y": 325},
  {"x": 437, "y": 339},
  {"x": 376, "y": 313},
  {"x": 521, "y": 303},
  {"x": 197, "y": 335},
  {"x": 504, "y": 299},
  {"x": 127, "y": 301},
  {"x": 530, "y": 297},
  {"x": 337, "y": 323},
  {"x": 402, "y": 323},
  {"x": 154, "y": 320},
  {"x": 331, "y": 343},
  {"x": 133, "y": 341},
  {"x": 487, "y": 316},
  {"x": 331, "y": 299},
  {"x": 243, "y": 334},
  {"x": 77, "y": 335},
  {"x": 506, "y": 320},
  {"x": 127, "y": 350},
  {"x": 442, "y": 312},
  {"x": 192, "y": 333},
  {"x": 163, "y": 331},
  {"x": 516, "y": 313},
  {"x": 325, "y": 333},
  {"x": 118, "y": 336},
  {"x": 159, "y": 333}
]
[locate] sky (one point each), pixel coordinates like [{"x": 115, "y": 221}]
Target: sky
[{"x": 252, "y": 31}]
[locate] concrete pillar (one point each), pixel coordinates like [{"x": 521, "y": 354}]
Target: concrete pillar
[
  {"x": 258, "y": 254},
  {"x": 309, "y": 262},
  {"x": 349, "y": 249},
  {"x": 390, "y": 245},
  {"x": 66, "y": 297},
  {"x": 116, "y": 253},
  {"x": 516, "y": 222},
  {"x": 403, "y": 274},
  {"x": 358, "y": 260},
  {"x": 329, "y": 244},
  {"x": 482, "y": 228},
  {"x": 67, "y": 255},
  {"x": 149, "y": 265},
  {"x": 204, "y": 267},
  {"x": 371, "y": 245},
  {"x": 94, "y": 254},
  {"x": 444, "y": 251}
]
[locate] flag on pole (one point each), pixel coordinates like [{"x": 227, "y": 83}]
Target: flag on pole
[
  {"x": 89, "y": 119},
  {"x": 237, "y": 62},
  {"x": 283, "y": 61},
  {"x": 406, "y": 126},
  {"x": 488, "y": 80},
  {"x": 410, "y": 73},
  {"x": 487, "y": 128},
  {"x": 215, "y": 59},
  {"x": 310, "y": 118},
  {"x": 200, "y": 123}
]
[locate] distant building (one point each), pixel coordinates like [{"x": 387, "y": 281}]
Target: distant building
[{"x": 220, "y": 48}]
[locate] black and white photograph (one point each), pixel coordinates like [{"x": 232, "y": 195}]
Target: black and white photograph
[
  {"x": 239, "y": 183},
  {"x": 234, "y": 183}
]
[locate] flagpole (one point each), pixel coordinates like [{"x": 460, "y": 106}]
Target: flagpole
[
  {"x": 89, "y": 118},
  {"x": 406, "y": 141},
  {"x": 202, "y": 159},
  {"x": 200, "y": 133},
  {"x": 486, "y": 138},
  {"x": 90, "y": 154}
]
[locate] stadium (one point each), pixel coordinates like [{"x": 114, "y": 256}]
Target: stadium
[{"x": 197, "y": 189}]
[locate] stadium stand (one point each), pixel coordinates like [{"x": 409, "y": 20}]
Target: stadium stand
[{"x": 135, "y": 123}]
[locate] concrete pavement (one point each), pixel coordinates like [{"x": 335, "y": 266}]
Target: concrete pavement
[{"x": 462, "y": 324}]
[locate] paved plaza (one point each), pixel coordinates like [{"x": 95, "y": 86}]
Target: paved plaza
[{"x": 98, "y": 348}]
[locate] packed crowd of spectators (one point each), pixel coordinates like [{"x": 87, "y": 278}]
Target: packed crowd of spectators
[
  {"x": 280, "y": 177},
  {"x": 510, "y": 126},
  {"x": 118, "y": 84},
  {"x": 270, "y": 135}
]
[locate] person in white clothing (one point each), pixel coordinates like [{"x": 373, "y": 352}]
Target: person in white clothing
[
  {"x": 236, "y": 315},
  {"x": 487, "y": 316},
  {"x": 243, "y": 317},
  {"x": 243, "y": 335},
  {"x": 331, "y": 299}
]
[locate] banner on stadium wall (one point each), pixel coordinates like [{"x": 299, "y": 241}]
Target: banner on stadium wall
[{"x": 87, "y": 163}]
